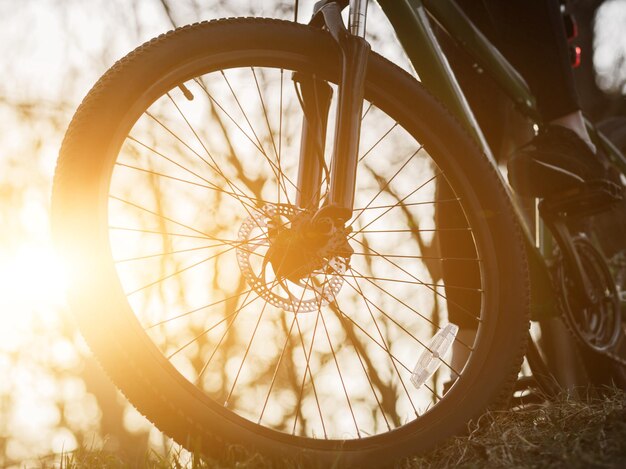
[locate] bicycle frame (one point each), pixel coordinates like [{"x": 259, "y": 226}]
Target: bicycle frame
[
  {"x": 411, "y": 23},
  {"x": 406, "y": 15},
  {"x": 410, "y": 20}
]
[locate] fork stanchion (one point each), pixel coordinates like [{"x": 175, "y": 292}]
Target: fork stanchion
[
  {"x": 354, "y": 54},
  {"x": 316, "y": 97}
]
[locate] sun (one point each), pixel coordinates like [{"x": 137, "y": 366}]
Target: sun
[{"x": 32, "y": 279}]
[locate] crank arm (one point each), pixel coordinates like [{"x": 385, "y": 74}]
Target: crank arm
[{"x": 556, "y": 222}]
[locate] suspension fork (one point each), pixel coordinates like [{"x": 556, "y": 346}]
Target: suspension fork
[
  {"x": 354, "y": 53},
  {"x": 316, "y": 96}
]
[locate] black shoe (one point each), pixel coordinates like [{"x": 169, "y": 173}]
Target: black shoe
[{"x": 557, "y": 162}]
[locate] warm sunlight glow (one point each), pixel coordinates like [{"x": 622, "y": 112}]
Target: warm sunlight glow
[
  {"x": 30, "y": 276},
  {"x": 197, "y": 272}
]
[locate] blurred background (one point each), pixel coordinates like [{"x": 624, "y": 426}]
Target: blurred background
[{"x": 53, "y": 395}]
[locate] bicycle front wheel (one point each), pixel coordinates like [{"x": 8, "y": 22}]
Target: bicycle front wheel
[{"x": 173, "y": 176}]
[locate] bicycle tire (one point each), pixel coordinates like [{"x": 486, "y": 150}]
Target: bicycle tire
[{"x": 80, "y": 211}]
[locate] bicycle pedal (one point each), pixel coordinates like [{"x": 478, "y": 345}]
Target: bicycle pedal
[
  {"x": 593, "y": 198},
  {"x": 525, "y": 383}
]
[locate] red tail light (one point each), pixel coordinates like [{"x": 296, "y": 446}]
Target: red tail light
[{"x": 575, "y": 53}]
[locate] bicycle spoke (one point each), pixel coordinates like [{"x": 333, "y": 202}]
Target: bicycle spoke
[
  {"x": 409, "y": 282},
  {"x": 307, "y": 368},
  {"x": 367, "y": 110},
  {"x": 394, "y": 206},
  {"x": 159, "y": 215},
  {"x": 369, "y": 150},
  {"x": 401, "y": 327},
  {"x": 392, "y": 356},
  {"x": 245, "y": 116},
  {"x": 343, "y": 384},
  {"x": 402, "y": 256},
  {"x": 236, "y": 244},
  {"x": 280, "y": 133},
  {"x": 156, "y": 173},
  {"x": 388, "y": 293},
  {"x": 267, "y": 119},
  {"x": 378, "y": 344},
  {"x": 257, "y": 145},
  {"x": 279, "y": 172},
  {"x": 213, "y": 166},
  {"x": 234, "y": 160},
  {"x": 367, "y": 375},
  {"x": 281, "y": 357},
  {"x": 421, "y": 230},
  {"x": 161, "y": 233},
  {"x": 180, "y": 271},
  {"x": 206, "y": 331},
  {"x": 275, "y": 374},
  {"x": 429, "y": 202},
  {"x": 385, "y": 346},
  {"x": 195, "y": 310},
  {"x": 433, "y": 289},
  {"x": 209, "y": 183},
  {"x": 166, "y": 253},
  {"x": 389, "y": 182},
  {"x": 245, "y": 355},
  {"x": 203, "y": 235}
]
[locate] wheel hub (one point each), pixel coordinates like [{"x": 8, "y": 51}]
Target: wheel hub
[
  {"x": 297, "y": 251},
  {"x": 292, "y": 259}
]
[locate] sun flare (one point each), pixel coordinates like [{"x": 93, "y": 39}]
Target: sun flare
[{"x": 31, "y": 276}]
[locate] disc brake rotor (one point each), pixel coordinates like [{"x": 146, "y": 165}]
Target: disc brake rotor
[{"x": 317, "y": 289}]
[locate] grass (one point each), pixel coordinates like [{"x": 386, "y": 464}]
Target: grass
[{"x": 567, "y": 432}]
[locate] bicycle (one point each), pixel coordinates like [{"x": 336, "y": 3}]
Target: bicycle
[{"x": 242, "y": 285}]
